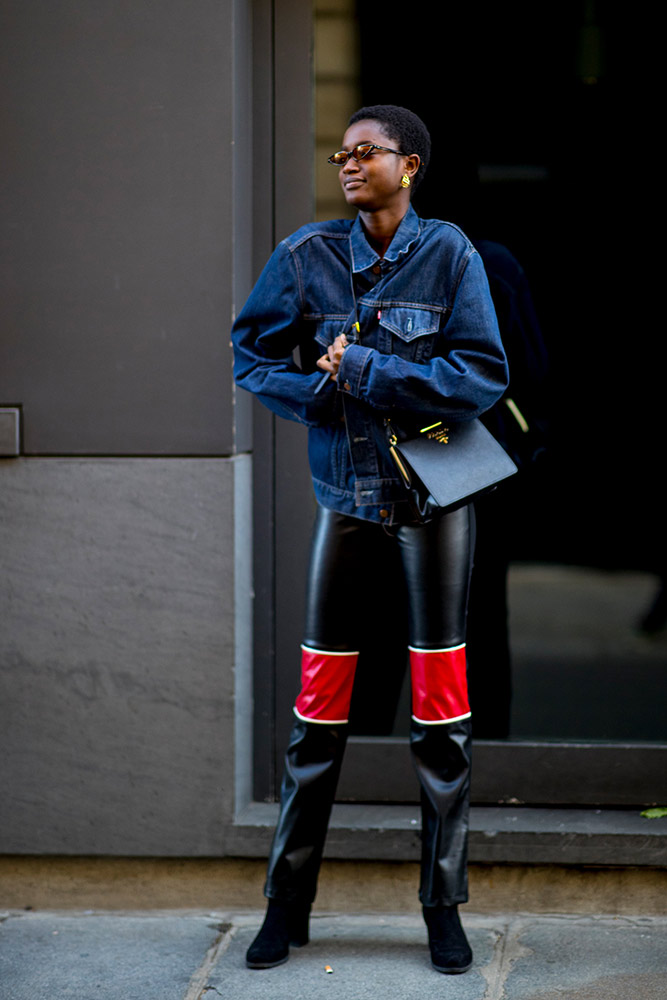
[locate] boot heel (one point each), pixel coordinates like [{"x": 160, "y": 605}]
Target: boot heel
[{"x": 299, "y": 918}]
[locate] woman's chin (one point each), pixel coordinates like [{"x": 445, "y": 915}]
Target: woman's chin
[{"x": 354, "y": 193}]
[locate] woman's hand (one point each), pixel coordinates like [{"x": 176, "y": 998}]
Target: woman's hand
[{"x": 330, "y": 362}]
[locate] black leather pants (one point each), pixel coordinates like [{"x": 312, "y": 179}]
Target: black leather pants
[{"x": 436, "y": 559}]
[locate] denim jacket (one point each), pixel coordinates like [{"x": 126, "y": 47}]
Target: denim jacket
[{"x": 428, "y": 349}]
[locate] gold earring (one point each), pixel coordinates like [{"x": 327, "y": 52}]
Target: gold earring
[{"x": 405, "y": 181}]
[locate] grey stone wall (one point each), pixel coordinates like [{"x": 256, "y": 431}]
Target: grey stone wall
[
  {"x": 117, "y": 647},
  {"x": 117, "y": 257},
  {"x": 125, "y": 534}
]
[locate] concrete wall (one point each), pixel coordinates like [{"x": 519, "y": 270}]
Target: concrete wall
[
  {"x": 117, "y": 255},
  {"x": 125, "y": 537},
  {"x": 117, "y": 650}
]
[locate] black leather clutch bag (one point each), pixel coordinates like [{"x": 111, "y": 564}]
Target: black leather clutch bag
[{"x": 446, "y": 466}]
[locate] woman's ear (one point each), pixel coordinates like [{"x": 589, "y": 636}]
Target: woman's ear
[{"x": 412, "y": 164}]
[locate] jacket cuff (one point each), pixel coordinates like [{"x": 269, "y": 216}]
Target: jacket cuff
[{"x": 351, "y": 369}]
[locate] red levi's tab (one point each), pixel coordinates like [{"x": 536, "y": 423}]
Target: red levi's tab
[
  {"x": 439, "y": 685},
  {"x": 327, "y": 679}
]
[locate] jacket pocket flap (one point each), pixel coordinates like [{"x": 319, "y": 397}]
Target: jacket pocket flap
[
  {"x": 327, "y": 330},
  {"x": 409, "y": 323}
]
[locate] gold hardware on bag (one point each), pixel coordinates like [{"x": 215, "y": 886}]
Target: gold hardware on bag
[
  {"x": 517, "y": 414},
  {"x": 433, "y": 434},
  {"x": 441, "y": 436},
  {"x": 405, "y": 475}
]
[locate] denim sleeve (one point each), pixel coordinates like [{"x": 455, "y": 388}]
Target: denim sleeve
[
  {"x": 264, "y": 337},
  {"x": 467, "y": 371}
]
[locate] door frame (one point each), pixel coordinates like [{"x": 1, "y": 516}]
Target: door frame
[{"x": 376, "y": 769}]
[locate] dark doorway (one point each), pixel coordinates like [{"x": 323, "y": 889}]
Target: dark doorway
[{"x": 538, "y": 114}]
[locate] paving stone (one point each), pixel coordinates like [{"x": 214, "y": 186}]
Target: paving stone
[
  {"x": 198, "y": 956},
  {"x": 101, "y": 957}
]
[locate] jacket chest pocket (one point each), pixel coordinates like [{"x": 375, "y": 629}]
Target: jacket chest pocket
[
  {"x": 409, "y": 332},
  {"x": 319, "y": 334},
  {"x": 326, "y": 331}
]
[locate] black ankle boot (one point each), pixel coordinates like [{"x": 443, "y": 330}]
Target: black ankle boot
[
  {"x": 450, "y": 951},
  {"x": 285, "y": 924}
]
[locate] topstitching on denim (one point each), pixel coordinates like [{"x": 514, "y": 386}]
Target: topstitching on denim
[{"x": 428, "y": 348}]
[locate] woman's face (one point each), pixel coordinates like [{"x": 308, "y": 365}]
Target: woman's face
[{"x": 374, "y": 182}]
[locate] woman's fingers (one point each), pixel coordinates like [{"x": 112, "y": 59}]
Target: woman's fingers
[
  {"x": 330, "y": 361},
  {"x": 337, "y": 348}
]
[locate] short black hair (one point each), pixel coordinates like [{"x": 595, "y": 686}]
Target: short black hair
[{"x": 405, "y": 127}]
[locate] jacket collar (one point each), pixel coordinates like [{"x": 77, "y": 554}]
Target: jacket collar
[{"x": 363, "y": 255}]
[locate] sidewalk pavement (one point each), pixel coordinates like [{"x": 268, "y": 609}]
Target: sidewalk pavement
[{"x": 180, "y": 955}]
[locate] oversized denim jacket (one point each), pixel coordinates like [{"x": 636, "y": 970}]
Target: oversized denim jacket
[{"x": 428, "y": 349}]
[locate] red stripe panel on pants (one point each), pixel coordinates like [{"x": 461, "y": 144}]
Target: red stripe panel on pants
[
  {"x": 439, "y": 685},
  {"x": 327, "y": 679}
]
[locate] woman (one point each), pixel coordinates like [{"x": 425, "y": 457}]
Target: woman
[{"x": 393, "y": 318}]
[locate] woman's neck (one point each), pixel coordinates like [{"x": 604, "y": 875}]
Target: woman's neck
[{"x": 381, "y": 226}]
